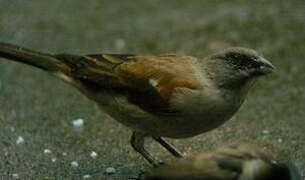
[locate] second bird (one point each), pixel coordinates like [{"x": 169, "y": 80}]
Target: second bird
[{"x": 157, "y": 95}]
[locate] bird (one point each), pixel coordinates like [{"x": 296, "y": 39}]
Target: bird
[
  {"x": 242, "y": 160},
  {"x": 157, "y": 96}
]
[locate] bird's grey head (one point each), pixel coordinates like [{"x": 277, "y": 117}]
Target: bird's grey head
[{"x": 236, "y": 67}]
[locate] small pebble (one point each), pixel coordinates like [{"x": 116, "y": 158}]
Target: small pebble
[
  {"x": 87, "y": 176},
  {"x": 110, "y": 170},
  {"x": 78, "y": 123},
  {"x": 64, "y": 154},
  {"x": 53, "y": 160},
  {"x": 15, "y": 175},
  {"x": 280, "y": 140},
  {"x": 266, "y": 132},
  {"x": 93, "y": 155},
  {"x": 19, "y": 140},
  {"x": 47, "y": 151},
  {"x": 74, "y": 164}
]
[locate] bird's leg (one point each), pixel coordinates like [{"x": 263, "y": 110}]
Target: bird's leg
[
  {"x": 137, "y": 142},
  {"x": 175, "y": 152}
]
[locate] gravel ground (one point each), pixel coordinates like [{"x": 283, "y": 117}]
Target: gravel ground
[{"x": 38, "y": 139}]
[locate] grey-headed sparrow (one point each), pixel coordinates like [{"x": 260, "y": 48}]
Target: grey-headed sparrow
[
  {"x": 157, "y": 95},
  {"x": 234, "y": 161}
]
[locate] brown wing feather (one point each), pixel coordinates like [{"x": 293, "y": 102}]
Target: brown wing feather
[
  {"x": 164, "y": 73},
  {"x": 149, "y": 81},
  {"x": 159, "y": 75},
  {"x": 97, "y": 70}
]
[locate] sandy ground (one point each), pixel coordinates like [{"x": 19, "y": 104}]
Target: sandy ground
[{"x": 40, "y": 108}]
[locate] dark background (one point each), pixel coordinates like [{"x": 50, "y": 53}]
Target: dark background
[{"x": 40, "y": 108}]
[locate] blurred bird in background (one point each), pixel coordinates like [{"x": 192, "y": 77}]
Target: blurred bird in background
[
  {"x": 234, "y": 161},
  {"x": 157, "y": 95}
]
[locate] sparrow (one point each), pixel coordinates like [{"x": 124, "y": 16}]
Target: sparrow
[
  {"x": 172, "y": 96},
  {"x": 233, "y": 161}
]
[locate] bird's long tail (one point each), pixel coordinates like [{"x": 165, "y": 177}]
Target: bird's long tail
[
  {"x": 77, "y": 70},
  {"x": 40, "y": 60}
]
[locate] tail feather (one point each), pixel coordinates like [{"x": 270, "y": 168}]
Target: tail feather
[
  {"x": 74, "y": 69},
  {"x": 41, "y": 60}
]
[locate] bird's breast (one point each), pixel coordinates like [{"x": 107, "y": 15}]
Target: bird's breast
[
  {"x": 197, "y": 112},
  {"x": 201, "y": 111}
]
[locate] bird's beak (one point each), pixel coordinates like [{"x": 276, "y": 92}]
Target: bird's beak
[{"x": 264, "y": 67}]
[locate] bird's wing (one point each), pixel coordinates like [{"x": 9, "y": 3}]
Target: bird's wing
[
  {"x": 238, "y": 160},
  {"x": 149, "y": 81},
  {"x": 224, "y": 163}
]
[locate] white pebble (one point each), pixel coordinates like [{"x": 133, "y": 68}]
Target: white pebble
[
  {"x": 53, "y": 160},
  {"x": 93, "y": 155},
  {"x": 77, "y": 123},
  {"x": 47, "y": 151},
  {"x": 15, "y": 175},
  {"x": 280, "y": 140},
  {"x": 74, "y": 164},
  {"x": 19, "y": 140},
  {"x": 266, "y": 132},
  {"x": 64, "y": 154},
  {"x": 110, "y": 170},
  {"x": 87, "y": 176}
]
